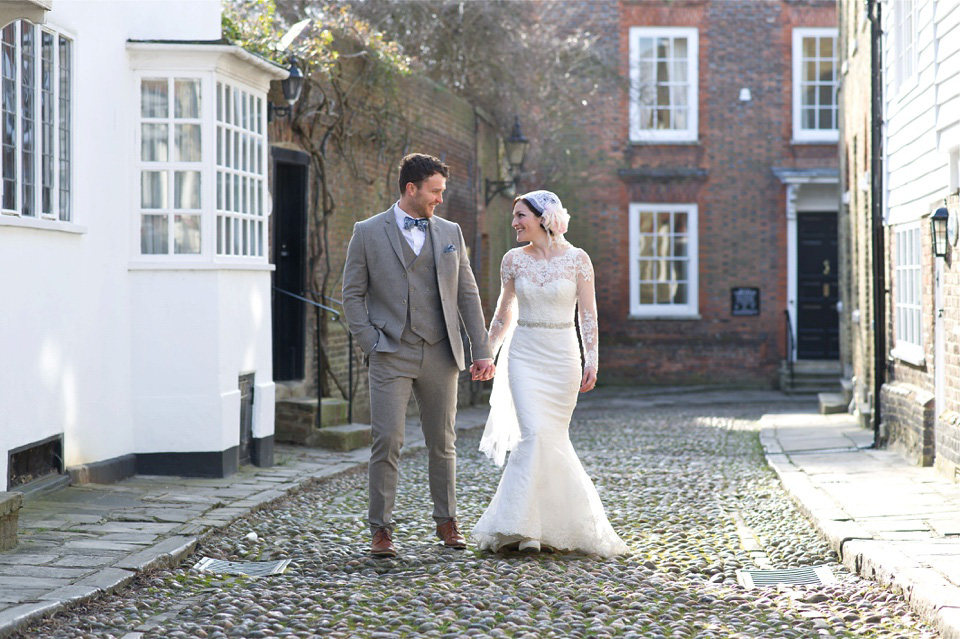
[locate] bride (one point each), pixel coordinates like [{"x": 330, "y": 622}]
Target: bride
[{"x": 545, "y": 499}]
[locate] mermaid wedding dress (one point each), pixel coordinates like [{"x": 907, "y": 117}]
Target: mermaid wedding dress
[{"x": 544, "y": 494}]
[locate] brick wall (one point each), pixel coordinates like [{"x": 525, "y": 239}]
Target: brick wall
[
  {"x": 741, "y": 204},
  {"x": 908, "y": 417},
  {"x": 856, "y": 243}
]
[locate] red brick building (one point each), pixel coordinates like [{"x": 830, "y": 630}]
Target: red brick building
[{"x": 712, "y": 215}]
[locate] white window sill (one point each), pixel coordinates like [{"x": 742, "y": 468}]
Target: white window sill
[
  {"x": 910, "y": 354},
  {"x": 650, "y": 142},
  {"x": 42, "y": 224},
  {"x": 655, "y": 316},
  {"x": 831, "y": 140},
  {"x": 199, "y": 266}
]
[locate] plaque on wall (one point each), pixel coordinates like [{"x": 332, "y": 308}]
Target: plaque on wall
[{"x": 744, "y": 301}]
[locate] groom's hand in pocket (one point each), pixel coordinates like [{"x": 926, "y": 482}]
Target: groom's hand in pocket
[
  {"x": 589, "y": 379},
  {"x": 482, "y": 370}
]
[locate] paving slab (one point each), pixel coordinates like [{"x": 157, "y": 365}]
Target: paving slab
[
  {"x": 86, "y": 561},
  {"x": 901, "y": 524},
  {"x": 167, "y": 553},
  {"x": 108, "y": 579},
  {"x": 13, "y": 557}
]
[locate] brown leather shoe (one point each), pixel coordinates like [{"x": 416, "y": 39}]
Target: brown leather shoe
[
  {"x": 382, "y": 543},
  {"x": 449, "y": 532}
]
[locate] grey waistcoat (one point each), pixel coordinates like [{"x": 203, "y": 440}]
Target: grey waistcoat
[{"x": 424, "y": 308}]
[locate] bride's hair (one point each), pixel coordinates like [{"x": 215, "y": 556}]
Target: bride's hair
[{"x": 546, "y": 206}]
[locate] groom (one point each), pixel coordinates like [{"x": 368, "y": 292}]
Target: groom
[{"x": 407, "y": 285}]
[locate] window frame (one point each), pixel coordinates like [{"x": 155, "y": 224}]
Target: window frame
[
  {"x": 691, "y": 132},
  {"x": 208, "y": 257},
  {"x": 903, "y": 83},
  {"x": 54, "y": 220},
  {"x": 801, "y": 134},
  {"x": 690, "y": 310},
  {"x": 258, "y": 217},
  {"x": 908, "y": 295},
  {"x": 171, "y": 166}
]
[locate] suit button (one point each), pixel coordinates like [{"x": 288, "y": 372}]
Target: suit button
[
  {"x": 404, "y": 275},
  {"x": 404, "y": 301}
]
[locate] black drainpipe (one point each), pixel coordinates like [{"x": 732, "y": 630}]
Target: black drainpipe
[{"x": 876, "y": 212}]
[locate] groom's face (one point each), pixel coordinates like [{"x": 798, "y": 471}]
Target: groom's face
[{"x": 429, "y": 195}]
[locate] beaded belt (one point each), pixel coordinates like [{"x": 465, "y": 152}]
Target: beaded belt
[{"x": 530, "y": 324}]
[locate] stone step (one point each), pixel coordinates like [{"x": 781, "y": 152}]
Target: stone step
[
  {"x": 847, "y": 385},
  {"x": 831, "y": 403},
  {"x": 296, "y": 417},
  {"x": 344, "y": 437},
  {"x": 816, "y": 366},
  {"x": 10, "y": 504},
  {"x": 333, "y": 412}
]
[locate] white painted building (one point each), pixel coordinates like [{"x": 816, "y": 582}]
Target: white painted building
[{"x": 135, "y": 286}]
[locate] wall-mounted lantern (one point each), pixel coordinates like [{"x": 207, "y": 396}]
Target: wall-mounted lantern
[
  {"x": 938, "y": 229},
  {"x": 291, "y": 87},
  {"x": 516, "y": 147}
]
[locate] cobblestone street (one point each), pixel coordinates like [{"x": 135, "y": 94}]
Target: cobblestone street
[{"x": 683, "y": 485}]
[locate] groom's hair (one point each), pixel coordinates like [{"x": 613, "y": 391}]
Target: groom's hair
[{"x": 417, "y": 167}]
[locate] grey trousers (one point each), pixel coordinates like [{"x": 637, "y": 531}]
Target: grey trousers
[{"x": 431, "y": 373}]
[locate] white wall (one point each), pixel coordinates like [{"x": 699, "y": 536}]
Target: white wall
[
  {"x": 82, "y": 335},
  {"x": 196, "y": 332},
  {"x": 917, "y": 176},
  {"x": 947, "y": 21},
  {"x": 246, "y": 346}
]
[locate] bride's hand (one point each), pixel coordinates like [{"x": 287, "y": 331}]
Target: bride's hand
[{"x": 589, "y": 379}]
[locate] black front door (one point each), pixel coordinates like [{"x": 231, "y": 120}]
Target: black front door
[
  {"x": 818, "y": 323},
  {"x": 289, "y": 256}
]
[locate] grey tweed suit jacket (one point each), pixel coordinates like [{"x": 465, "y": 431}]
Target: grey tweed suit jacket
[{"x": 376, "y": 289}]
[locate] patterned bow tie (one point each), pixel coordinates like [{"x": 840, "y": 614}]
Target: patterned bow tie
[{"x": 419, "y": 222}]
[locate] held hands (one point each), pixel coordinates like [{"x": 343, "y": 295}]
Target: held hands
[
  {"x": 589, "y": 379},
  {"x": 482, "y": 370}
]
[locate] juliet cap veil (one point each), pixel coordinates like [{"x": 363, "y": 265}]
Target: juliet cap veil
[{"x": 553, "y": 216}]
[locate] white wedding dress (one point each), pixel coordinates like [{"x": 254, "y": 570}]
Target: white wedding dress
[{"x": 544, "y": 493}]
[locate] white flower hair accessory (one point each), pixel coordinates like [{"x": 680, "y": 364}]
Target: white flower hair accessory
[{"x": 553, "y": 217}]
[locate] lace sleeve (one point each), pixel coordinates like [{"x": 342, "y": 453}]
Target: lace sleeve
[
  {"x": 505, "y": 313},
  {"x": 587, "y": 305}
]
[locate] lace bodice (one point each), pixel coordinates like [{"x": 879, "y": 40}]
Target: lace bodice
[{"x": 545, "y": 292}]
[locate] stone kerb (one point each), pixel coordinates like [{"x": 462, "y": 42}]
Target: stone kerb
[{"x": 10, "y": 504}]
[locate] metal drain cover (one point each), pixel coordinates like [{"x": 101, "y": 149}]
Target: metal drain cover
[
  {"x": 249, "y": 568},
  {"x": 806, "y": 576}
]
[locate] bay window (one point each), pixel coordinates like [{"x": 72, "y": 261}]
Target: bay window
[{"x": 201, "y": 168}]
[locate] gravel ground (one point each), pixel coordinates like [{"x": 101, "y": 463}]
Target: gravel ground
[{"x": 683, "y": 486}]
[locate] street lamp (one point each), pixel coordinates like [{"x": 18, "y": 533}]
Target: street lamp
[
  {"x": 291, "y": 87},
  {"x": 938, "y": 229},
  {"x": 516, "y": 147}
]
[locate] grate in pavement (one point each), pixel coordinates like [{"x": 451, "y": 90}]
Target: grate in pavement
[
  {"x": 249, "y": 568},
  {"x": 806, "y": 576}
]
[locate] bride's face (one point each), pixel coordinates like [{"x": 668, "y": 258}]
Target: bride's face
[{"x": 526, "y": 224}]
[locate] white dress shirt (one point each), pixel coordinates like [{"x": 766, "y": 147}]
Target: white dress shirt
[{"x": 414, "y": 236}]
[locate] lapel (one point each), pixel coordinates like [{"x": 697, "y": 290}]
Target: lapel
[
  {"x": 393, "y": 236},
  {"x": 435, "y": 237}
]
